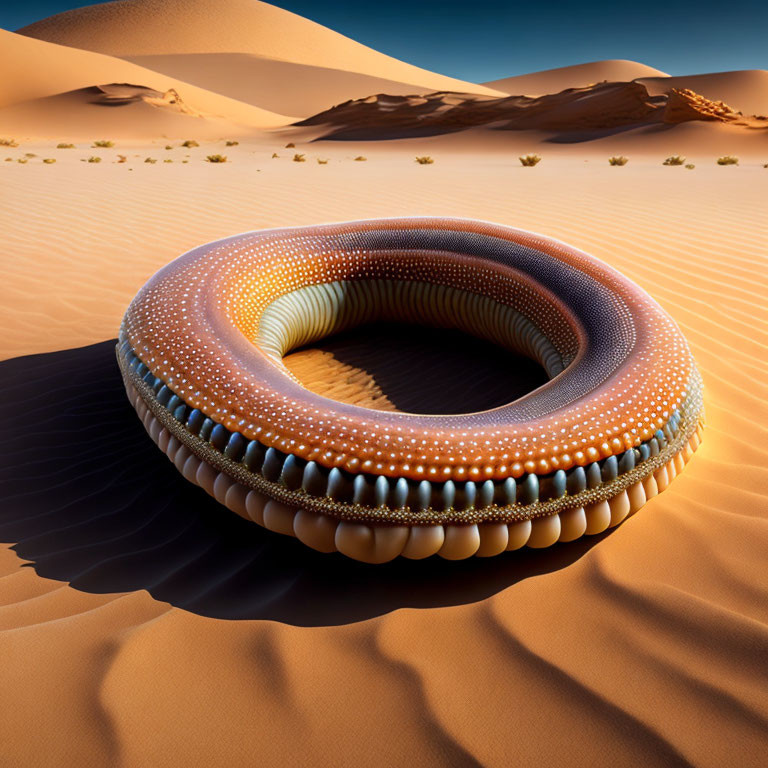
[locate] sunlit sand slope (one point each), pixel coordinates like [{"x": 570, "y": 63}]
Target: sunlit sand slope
[{"x": 150, "y": 27}]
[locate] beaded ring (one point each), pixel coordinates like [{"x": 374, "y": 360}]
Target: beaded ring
[{"x": 201, "y": 350}]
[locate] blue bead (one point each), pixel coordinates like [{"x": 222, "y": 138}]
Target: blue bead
[
  {"x": 576, "y": 481},
  {"x": 235, "y": 447},
  {"x": 219, "y": 437},
  {"x": 254, "y": 456}
]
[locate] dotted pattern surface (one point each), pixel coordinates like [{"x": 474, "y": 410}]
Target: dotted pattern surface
[{"x": 196, "y": 322}]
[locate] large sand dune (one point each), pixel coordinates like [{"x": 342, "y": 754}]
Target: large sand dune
[
  {"x": 159, "y": 27},
  {"x": 280, "y": 86},
  {"x": 34, "y": 71},
  {"x": 140, "y": 624}
]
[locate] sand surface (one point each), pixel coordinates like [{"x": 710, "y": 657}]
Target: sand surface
[{"x": 141, "y": 624}]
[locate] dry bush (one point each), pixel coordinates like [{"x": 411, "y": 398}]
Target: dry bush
[
  {"x": 93, "y": 159},
  {"x": 30, "y": 154},
  {"x": 8, "y": 159},
  {"x": 530, "y": 160},
  {"x": 8, "y": 143},
  {"x": 122, "y": 158},
  {"x": 360, "y": 159},
  {"x": 150, "y": 160},
  {"x": 424, "y": 160},
  {"x": 297, "y": 158},
  {"x": 620, "y": 160},
  {"x": 64, "y": 145},
  {"x": 49, "y": 160},
  {"x": 189, "y": 143},
  {"x": 728, "y": 160},
  {"x": 167, "y": 160},
  {"x": 232, "y": 143},
  {"x": 274, "y": 155},
  {"x": 674, "y": 160},
  {"x": 169, "y": 146},
  {"x": 290, "y": 145},
  {"x": 104, "y": 143},
  {"x": 22, "y": 160},
  {"x": 216, "y": 159},
  {"x": 690, "y": 166},
  {"x": 321, "y": 162}
]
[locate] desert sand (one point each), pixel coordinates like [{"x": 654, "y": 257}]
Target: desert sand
[{"x": 143, "y": 624}]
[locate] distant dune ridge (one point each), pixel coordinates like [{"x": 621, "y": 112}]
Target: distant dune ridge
[
  {"x": 597, "y": 108},
  {"x": 575, "y": 76}
]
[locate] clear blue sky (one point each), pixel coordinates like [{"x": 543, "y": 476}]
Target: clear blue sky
[{"x": 486, "y": 39}]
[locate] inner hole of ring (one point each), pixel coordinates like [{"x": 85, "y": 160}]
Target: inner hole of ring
[
  {"x": 413, "y": 369},
  {"x": 421, "y": 345}
]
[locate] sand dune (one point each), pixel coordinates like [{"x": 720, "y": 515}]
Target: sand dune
[
  {"x": 142, "y": 625},
  {"x": 576, "y": 76},
  {"x": 280, "y": 86},
  {"x": 576, "y": 114},
  {"x": 35, "y": 71},
  {"x": 159, "y": 27},
  {"x": 745, "y": 90}
]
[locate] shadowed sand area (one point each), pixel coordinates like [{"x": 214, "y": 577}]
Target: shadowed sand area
[{"x": 143, "y": 625}]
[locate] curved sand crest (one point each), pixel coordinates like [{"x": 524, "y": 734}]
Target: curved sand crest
[
  {"x": 646, "y": 649},
  {"x": 281, "y": 86},
  {"x": 575, "y": 76},
  {"x": 35, "y": 70},
  {"x": 151, "y": 27}
]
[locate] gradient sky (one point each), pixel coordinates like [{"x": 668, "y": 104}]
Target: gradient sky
[{"x": 481, "y": 40}]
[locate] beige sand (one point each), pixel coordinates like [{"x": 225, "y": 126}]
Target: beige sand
[
  {"x": 575, "y": 76},
  {"x": 46, "y": 88},
  {"x": 647, "y": 648},
  {"x": 158, "y": 27}
]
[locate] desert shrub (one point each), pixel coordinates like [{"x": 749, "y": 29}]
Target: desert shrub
[
  {"x": 290, "y": 145},
  {"x": 216, "y": 159},
  {"x": 150, "y": 160},
  {"x": 360, "y": 159},
  {"x": 424, "y": 160},
  {"x": 22, "y": 160},
  {"x": 674, "y": 160},
  {"x": 122, "y": 158},
  {"x": 185, "y": 161},
  {"x": 297, "y": 158},
  {"x": 64, "y": 145},
  {"x": 49, "y": 160},
  {"x": 169, "y": 146},
  {"x": 321, "y": 162},
  {"x": 104, "y": 143},
  {"x": 231, "y": 143},
  {"x": 690, "y": 166},
  {"x": 30, "y": 154},
  {"x": 167, "y": 160},
  {"x": 8, "y": 159},
  {"x": 93, "y": 159},
  {"x": 8, "y": 143},
  {"x": 274, "y": 155},
  {"x": 189, "y": 143},
  {"x": 529, "y": 160},
  {"x": 728, "y": 160},
  {"x": 618, "y": 160}
]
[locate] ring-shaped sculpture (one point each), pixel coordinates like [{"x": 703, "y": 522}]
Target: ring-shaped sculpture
[{"x": 201, "y": 350}]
